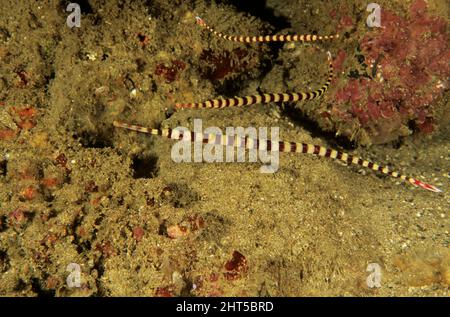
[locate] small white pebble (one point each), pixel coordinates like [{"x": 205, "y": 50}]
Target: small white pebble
[
  {"x": 290, "y": 45},
  {"x": 91, "y": 56}
]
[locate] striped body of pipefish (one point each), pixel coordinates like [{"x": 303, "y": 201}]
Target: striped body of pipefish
[
  {"x": 271, "y": 97},
  {"x": 281, "y": 146}
]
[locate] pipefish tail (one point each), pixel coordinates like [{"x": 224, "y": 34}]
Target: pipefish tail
[{"x": 281, "y": 146}]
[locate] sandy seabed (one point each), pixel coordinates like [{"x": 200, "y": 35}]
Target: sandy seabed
[{"x": 73, "y": 189}]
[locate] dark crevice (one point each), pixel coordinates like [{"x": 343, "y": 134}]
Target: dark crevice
[
  {"x": 48, "y": 197},
  {"x": 231, "y": 87},
  {"x": 81, "y": 246},
  {"x": 99, "y": 263},
  {"x": 84, "y": 246},
  {"x": 98, "y": 221},
  {"x": 162, "y": 229},
  {"x": 186, "y": 291},
  {"x": 261, "y": 11},
  {"x": 267, "y": 15},
  {"x": 4, "y": 34},
  {"x": 3, "y": 167},
  {"x": 141, "y": 64},
  {"x": 396, "y": 144},
  {"x": 169, "y": 112},
  {"x": 4, "y": 262},
  {"x": 145, "y": 167},
  {"x": 85, "y": 6},
  {"x": 20, "y": 285},
  {"x": 94, "y": 140},
  {"x": 100, "y": 267},
  {"x": 36, "y": 286},
  {"x": 50, "y": 76},
  {"x": 3, "y": 221}
]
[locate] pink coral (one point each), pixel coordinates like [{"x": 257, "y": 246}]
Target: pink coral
[{"x": 413, "y": 56}]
